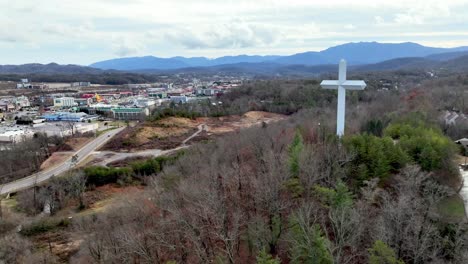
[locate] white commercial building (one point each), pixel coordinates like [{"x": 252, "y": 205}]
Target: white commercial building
[
  {"x": 144, "y": 102},
  {"x": 63, "y": 129},
  {"x": 179, "y": 99},
  {"x": 80, "y": 84},
  {"x": 22, "y": 101},
  {"x": 206, "y": 92},
  {"x": 23, "y": 84},
  {"x": 14, "y": 134},
  {"x": 64, "y": 102}
]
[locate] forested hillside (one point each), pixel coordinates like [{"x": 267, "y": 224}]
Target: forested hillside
[{"x": 285, "y": 192}]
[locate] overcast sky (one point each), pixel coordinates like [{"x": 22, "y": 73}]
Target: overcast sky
[{"x": 86, "y": 31}]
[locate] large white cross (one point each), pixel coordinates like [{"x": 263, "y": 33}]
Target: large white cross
[{"x": 342, "y": 85}]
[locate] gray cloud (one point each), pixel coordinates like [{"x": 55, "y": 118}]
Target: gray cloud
[
  {"x": 124, "y": 47},
  {"x": 237, "y": 34},
  {"x": 11, "y": 34},
  {"x": 124, "y": 51},
  {"x": 215, "y": 28}
]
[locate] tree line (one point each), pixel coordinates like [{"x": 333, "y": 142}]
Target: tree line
[
  {"x": 285, "y": 192},
  {"x": 23, "y": 158},
  {"x": 291, "y": 191}
]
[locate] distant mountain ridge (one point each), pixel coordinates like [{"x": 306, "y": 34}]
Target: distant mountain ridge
[
  {"x": 151, "y": 62},
  {"x": 454, "y": 61},
  {"x": 356, "y": 53},
  {"x": 458, "y": 64},
  {"x": 48, "y": 68}
]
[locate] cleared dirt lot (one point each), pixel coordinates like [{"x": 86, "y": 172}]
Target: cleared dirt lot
[
  {"x": 228, "y": 124},
  {"x": 170, "y": 132}
]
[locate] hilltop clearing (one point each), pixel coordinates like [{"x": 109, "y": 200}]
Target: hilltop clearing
[{"x": 170, "y": 132}]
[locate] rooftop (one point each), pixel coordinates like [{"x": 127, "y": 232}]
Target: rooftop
[
  {"x": 5, "y": 129},
  {"x": 127, "y": 110}
]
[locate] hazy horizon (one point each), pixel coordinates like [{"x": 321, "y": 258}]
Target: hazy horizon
[
  {"x": 88, "y": 31},
  {"x": 211, "y": 58}
]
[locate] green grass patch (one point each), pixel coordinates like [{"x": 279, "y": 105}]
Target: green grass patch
[
  {"x": 10, "y": 203},
  {"x": 452, "y": 208}
]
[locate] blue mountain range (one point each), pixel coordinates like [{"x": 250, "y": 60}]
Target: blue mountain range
[{"x": 355, "y": 53}]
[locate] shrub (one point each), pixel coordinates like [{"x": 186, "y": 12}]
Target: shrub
[
  {"x": 308, "y": 243},
  {"x": 152, "y": 166},
  {"x": 293, "y": 184},
  {"x": 340, "y": 197},
  {"x": 381, "y": 253},
  {"x": 295, "y": 187},
  {"x": 426, "y": 145},
  {"x": 43, "y": 226},
  {"x": 99, "y": 176},
  {"x": 374, "y": 127},
  {"x": 374, "y": 157},
  {"x": 167, "y": 112},
  {"x": 265, "y": 258}
]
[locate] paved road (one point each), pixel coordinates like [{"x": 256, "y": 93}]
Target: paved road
[
  {"x": 105, "y": 156},
  {"x": 44, "y": 175}
]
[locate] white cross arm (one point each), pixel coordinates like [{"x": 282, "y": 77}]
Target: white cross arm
[
  {"x": 354, "y": 85},
  {"x": 348, "y": 85},
  {"x": 330, "y": 84}
]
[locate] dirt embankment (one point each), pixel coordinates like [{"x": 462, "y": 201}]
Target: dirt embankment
[
  {"x": 226, "y": 124},
  {"x": 170, "y": 132},
  {"x": 145, "y": 136},
  {"x": 62, "y": 154}
]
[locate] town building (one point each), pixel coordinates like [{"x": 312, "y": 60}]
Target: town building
[
  {"x": 144, "y": 102},
  {"x": 179, "y": 99},
  {"x": 206, "y": 92},
  {"x": 160, "y": 95},
  {"x": 6, "y": 106},
  {"x": 40, "y": 86},
  {"x": 24, "y": 84},
  {"x": 29, "y": 120},
  {"x": 139, "y": 86},
  {"x": 14, "y": 134},
  {"x": 125, "y": 94},
  {"x": 69, "y": 117},
  {"x": 63, "y": 129},
  {"x": 22, "y": 101},
  {"x": 64, "y": 102},
  {"x": 80, "y": 84},
  {"x": 157, "y": 93},
  {"x": 452, "y": 117},
  {"x": 83, "y": 101},
  {"x": 130, "y": 113}
]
